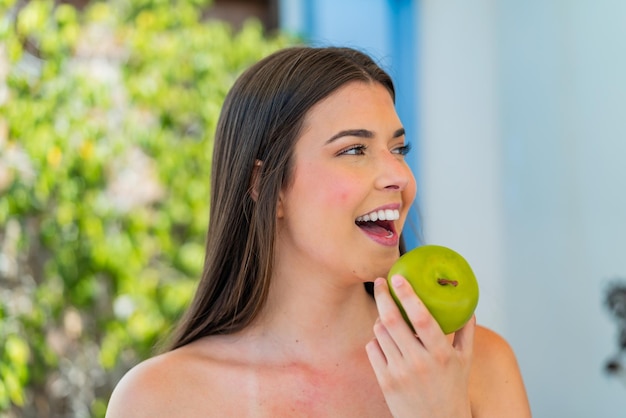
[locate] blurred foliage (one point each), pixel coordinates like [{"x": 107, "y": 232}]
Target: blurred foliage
[{"x": 106, "y": 123}]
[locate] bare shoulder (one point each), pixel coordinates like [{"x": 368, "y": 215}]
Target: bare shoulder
[
  {"x": 162, "y": 386},
  {"x": 141, "y": 388},
  {"x": 496, "y": 383},
  {"x": 491, "y": 349}
]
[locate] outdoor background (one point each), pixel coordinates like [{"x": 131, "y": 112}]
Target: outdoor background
[
  {"x": 516, "y": 111},
  {"x": 107, "y": 114}
]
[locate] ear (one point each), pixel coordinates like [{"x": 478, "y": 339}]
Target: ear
[
  {"x": 280, "y": 212},
  {"x": 254, "y": 180}
]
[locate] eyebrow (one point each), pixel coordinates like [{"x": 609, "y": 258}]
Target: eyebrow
[{"x": 361, "y": 133}]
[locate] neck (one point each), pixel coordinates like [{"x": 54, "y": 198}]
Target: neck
[{"x": 313, "y": 317}]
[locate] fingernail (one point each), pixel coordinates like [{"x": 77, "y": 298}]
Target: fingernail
[
  {"x": 378, "y": 281},
  {"x": 396, "y": 280}
]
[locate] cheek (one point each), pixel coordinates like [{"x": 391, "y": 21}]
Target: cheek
[
  {"x": 411, "y": 190},
  {"x": 329, "y": 187},
  {"x": 337, "y": 191},
  {"x": 409, "y": 193},
  {"x": 337, "y": 194}
]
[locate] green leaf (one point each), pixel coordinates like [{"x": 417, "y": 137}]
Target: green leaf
[{"x": 109, "y": 119}]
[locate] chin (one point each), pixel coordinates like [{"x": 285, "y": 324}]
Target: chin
[
  {"x": 375, "y": 264},
  {"x": 382, "y": 268}
]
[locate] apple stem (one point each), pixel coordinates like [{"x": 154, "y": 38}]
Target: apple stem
[{"x": 443, "y": 281}]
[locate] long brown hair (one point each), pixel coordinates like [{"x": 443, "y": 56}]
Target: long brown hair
[{"x": 261, "y": 121}]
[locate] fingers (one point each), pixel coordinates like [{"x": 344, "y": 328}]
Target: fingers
[
  {"x": 391, "y": 325},
  {"x": 386, "y": 342},
  {"x": 375, "y": 354},
  {"x": 464, "y": 338},
  {"x": 425, "y": 326},
  {"x": 396, "y": 337}
]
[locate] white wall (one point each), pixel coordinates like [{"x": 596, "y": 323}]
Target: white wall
[
  {"x": 460, "y": 144},
  {"x": 523, "y": 169}
]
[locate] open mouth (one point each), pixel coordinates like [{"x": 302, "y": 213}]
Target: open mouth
[{"x": 379, "y": 223}]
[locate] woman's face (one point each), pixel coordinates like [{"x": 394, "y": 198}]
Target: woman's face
[{"x": 343, "y": 211}]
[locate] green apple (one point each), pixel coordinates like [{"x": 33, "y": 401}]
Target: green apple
[{"x": 443, "y": 280}]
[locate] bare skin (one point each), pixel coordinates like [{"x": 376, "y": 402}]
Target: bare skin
[
  {"x": 254, "y": 374},
  {"x": 321, "y": 346}
]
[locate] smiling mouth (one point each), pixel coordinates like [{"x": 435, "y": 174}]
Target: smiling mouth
[{"x": 379, "y": 223}]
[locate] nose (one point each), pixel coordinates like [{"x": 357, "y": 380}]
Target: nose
[{"x": 393, "y": 173}]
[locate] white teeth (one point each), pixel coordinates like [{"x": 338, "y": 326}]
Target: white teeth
[{"x": 381, "y": 215}]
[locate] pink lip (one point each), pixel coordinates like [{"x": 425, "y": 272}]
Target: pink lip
[{"x": 388, "y": 241}]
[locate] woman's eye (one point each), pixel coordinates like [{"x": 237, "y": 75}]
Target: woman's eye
[
  {"x": 354, "y": 150},
  {"x": 402, "y": 150}
]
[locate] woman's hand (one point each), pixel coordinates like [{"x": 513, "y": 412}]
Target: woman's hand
[{"x": 421, "y": 374}]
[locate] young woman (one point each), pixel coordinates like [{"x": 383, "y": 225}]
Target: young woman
[{"x": 308, "y": 144}]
